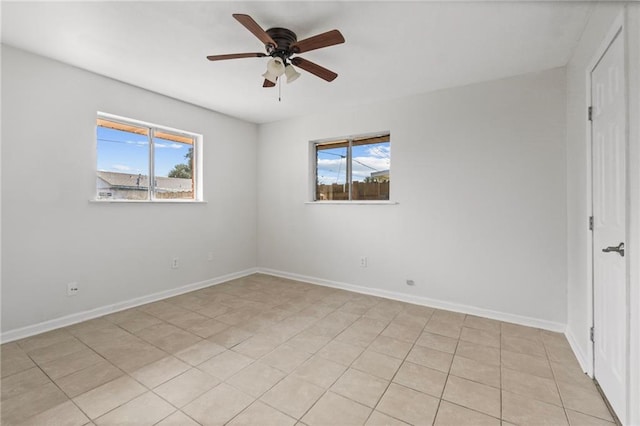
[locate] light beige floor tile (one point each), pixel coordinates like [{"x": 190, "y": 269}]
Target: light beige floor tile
[
  {"x": 160, "y": 371},
  {"x": 178, "y": 419},
  {"x": 403, "y": 332},
  {"x": 342, "y": 353},
  {"x": 138, "y": 321},
  {"x": 89, "y": 378},
  {"x": 56, "y": 351},
  {"x": 133, "y": 355},
  {"x": 481, "y": 337},
  {"x": 207, "y": 328},
  {"x": 379, "y": 365},
  {"x": 218, "y": 406},
  {"x": 168, "y": 337},
  {"x": 293, "y": 396},
  {"x": 579, "y": 419},
  {"x": 285, "y": 358},
  {"x": 200, "y": 352},
  {"x": 408, "y": 405},
  {"x": 230, "y": 337},
  {"x": 454, "y": 415},
  {"x": 420, "y": 378},
  {"x": 584, "y": 399},
  {"x": 361, "y": 387},
  {"x": 523, "y": 346},
  {"x": 147, "y": 409},
  {"x": 379, "y": 419},
  {"x": 571, "y": 374},
  {"x": 390, "y": 346},
  {"x": 530, "y": 386},
  {"x": 256, "y": 346},
  {"x": 484, "y": 354},
  {"x": 473, "y": 395},
  {"x": 438, "y": 342},
  {"x": 357, "y": 337},
  {"x": 43, "y": 340},
  {"x": 443, "y": 328},
  {"x": 65, "y": 414},
  {"x": 430, "y": 358},
  {"x": 476, "y": 371},
  {"x": 521, "y": 331},
  {"x": 527, "y": 364},
  {"x": 25, "y": 405},
  {"x": 22, "y": 382},
  {"x": 71, "y": 363},
  {"x": 308, "y": 342},
  {"x": 482, "y": 323},
  {"x": 225, "y": 364},
  {"x": 522, "y": 410},
  {"x": 259, "y": 413},
  {"x": 102, "y": 399},
  {"x": 333, "y": 409},
  {"x": 186, "y": 387},
  {"x": 320, "y": 371},
  {"x": 14, "y": 360},
  {"x": 188, "y": 320},
  {"x": 256, "y": 379},
  {"x": 448, "y": 316}
]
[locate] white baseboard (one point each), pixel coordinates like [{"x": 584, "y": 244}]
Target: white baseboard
[
  {"x": 30, "y": 330},
  {"x": 583, "y": 358},
  {"x": 418, "y": 300}
]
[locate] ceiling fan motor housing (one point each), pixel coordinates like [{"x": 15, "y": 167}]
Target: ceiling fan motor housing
[{"x": 284, "y": 38}]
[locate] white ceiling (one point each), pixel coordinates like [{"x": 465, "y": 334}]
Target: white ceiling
[{"x": 392, "y": 49}]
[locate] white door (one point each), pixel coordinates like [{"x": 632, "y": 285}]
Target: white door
[{"x": 609, "y": 202}]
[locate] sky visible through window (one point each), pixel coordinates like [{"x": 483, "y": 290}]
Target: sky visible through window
[
  {"x": 125, "y": 152},
  {"x": 367, "y": 159}
]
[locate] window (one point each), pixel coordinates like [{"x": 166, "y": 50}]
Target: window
[
  {"x": 142, "y": 162},
  {"x": 355, "y": 168}
]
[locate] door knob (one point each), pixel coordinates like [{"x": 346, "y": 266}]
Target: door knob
[{"x": 618, "y": 249}]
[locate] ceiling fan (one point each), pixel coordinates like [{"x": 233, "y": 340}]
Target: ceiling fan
[{"x": 281, "y": 44}]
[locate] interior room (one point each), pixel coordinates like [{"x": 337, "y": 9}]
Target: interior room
[{"x": 320, "y": 213}]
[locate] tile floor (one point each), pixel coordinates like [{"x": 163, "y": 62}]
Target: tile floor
[{"x": 267, "y": 351}]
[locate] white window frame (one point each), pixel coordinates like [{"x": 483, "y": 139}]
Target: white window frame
[
  {"x": 313, "y": 168},
  {"x": 153, "y": 128}
]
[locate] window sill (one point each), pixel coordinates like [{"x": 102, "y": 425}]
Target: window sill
[
  {"x": 147, "y": 202},
  {"x": 362, "y": 202}
]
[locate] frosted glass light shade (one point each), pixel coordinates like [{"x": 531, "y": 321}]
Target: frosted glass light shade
[
  {"x": 291, "y": 73},
  {"x": 271, "y": 77},
  {"x": 275, "y": 67}
]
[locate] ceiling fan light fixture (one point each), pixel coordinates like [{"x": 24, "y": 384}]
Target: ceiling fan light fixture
[
  {"x": 276, "y": 66},
  {"x": 291, "y": 73},
  {"x": 271, "y": 77}
]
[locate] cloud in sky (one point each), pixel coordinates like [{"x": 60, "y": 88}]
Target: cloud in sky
[
  {"x": 168, "y": 145},
  {"x": 333, "y": 170},
  {"x": 137, "y": 143},
  {"x": 122, "y": 168}
]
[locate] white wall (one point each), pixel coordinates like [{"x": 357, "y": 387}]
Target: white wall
[
  {"x": 479, "y": 175},
  {"x": 52, "y": 234},
  {"x": 579, "y": 312}
]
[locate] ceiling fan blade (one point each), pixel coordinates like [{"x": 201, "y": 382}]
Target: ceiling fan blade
[
  {"x": 268, "y": 83},
  {"x": 235, "y": 56},
  {"x": 314, "y": 69},
  {"x": 330, "y": 38},
  {"x": 255, "y": 29}
]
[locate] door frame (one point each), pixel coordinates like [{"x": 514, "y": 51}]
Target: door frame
[{"x": 627, "y": 26}]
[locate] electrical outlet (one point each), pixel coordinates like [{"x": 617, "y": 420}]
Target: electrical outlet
[
  {"x": 411, "y": 282},
  {"x": 363, "y": 262},
  {"x": 210, "y": 256},
  {"x": 174, "y": 263},
  {"x": 72, "y": 289}
]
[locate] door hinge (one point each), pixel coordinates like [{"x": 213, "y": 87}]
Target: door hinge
[
  {"x": 590, "y": 223},
  {"x": 591, "y": 334},
  {"x": 590, "y": 113}
]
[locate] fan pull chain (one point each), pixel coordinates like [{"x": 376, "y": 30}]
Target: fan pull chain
[{"x": 279, "y": 90}]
